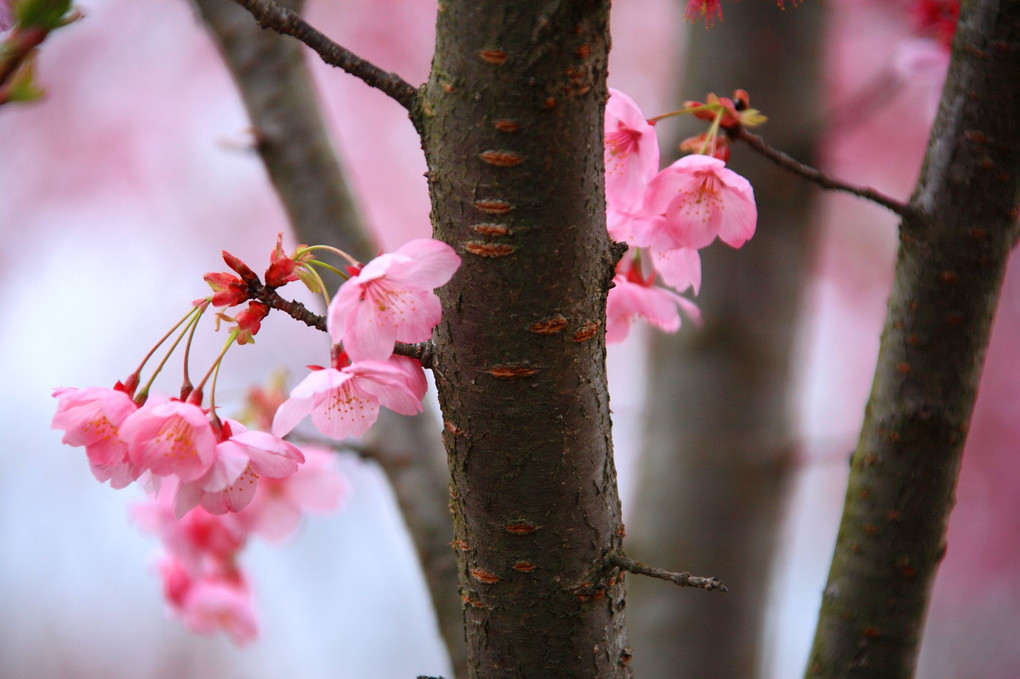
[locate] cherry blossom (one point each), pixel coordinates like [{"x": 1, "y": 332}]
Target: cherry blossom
[
  {"x": 241, "y": 459},
  {"x": 631, "y": 160},
  {"x": 202, "y": 541},
  {"x": 632, "y": 295},
  {"x": 696, "y": 199},
  {"x": 172, "y": 437},
  {"x": 346, "y": 402},
  {"x": 391, "y": 299},
  {"x": 209, "y": 604},
  {"x": 279, "y": 503},
  {"x": 92, "y": 418}
]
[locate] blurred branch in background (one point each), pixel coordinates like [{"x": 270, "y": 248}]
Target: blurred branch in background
[
  {"x": 718, "y": 453},
  {"x": 294, "y": 144}
]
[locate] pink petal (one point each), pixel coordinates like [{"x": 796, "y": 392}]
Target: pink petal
[
  {"x": 680, "y": 269},
  {"x": 432, "y": 264}
]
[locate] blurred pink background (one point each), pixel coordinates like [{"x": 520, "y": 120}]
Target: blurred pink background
[{"x": 118, "y": 192}]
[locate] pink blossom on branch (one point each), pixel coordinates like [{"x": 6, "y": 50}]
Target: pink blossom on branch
[
  {"x": 242, "y": 459},
  {"x": 172, "y": 437},
  {"x": 209, "y": 604},
  {"x": 92, "y": 418},
  {"x": 391, "y": 299},
  {"x": 276, "y": 511},
  {"x": 631, "y": 156},
  {"x": 346, "y": 402},
  {"x": 632, "y": 295},
  {"x": 695, "y": 200}
]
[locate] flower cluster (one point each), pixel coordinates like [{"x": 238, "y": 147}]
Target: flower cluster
[
  {"x": 203, "y": 583},
  {"x": 386, "y": 301},
  {"x": 214, "y": 482},
  {"x": 671, "y": 213}
]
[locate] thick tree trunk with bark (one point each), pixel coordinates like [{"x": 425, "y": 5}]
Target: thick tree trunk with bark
[
  {"x": 511, "y": 120},
  {"x": 948, "y": 276},
  {"x": 719, "y": 428}
]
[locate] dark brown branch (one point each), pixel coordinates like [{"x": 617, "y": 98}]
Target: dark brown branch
[
  {"x": 682, "y": 579},
  {"x": 818, "y": 177},
  {"x": 292, "y": 308},
  {"x": 282, "y": 20}
]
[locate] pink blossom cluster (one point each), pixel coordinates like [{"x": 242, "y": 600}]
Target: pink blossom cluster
[
  {"x": 666, "y": 216},
  {"x": 203, "y": 583},
  {"x": 214, "y": 482},
  {"x": 391, "y": 299},
  {"x": 215, "y": 463}
]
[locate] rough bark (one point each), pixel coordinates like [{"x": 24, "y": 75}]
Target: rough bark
[
  {"x": 719, "y": 426},
  {"x": 948, "y": 277},
  {"x": 511, "y": 121},
  {"x": 294, "y": 145}
]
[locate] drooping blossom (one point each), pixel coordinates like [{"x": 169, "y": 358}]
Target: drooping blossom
[
  {"x": 391, "y": 299},
  {"x": 172, "y": 437},
  {"x": 346, "y": 402},
  {"x": 207, "y": 604},
  {"x": 631, "y": 159},
  {"x": 203, "y": 542},
  {"x": 92, "y": 418},
  {"x": 634, "y": 295},
  {"x": 276, "y": 511},
  {"x": 241, "y": 459},
  {"x": 694, "y": 200}
]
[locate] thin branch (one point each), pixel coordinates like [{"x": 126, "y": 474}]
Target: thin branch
[
  {"x": 292, "y": 308},
  {"x": 817, "y": 176},
  {"x": 282, "y": 20},
  {"x": 682, "y": 579}
]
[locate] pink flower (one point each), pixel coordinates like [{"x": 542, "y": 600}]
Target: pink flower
[
  {"x": 631, "y": 295},
  {"x": 92, "y": 418},
  {"x": 203, "y": 542},
  {"x": 346, "y": 402},
  {"x": 631, "y": 157},
  {"x": 207, "y": 605},
  {"x": 316, "y": 486},
  {"x": 241, "y": 459},
  {"x": 172, "y": 437},
  {"x": 696, "y": 199},
  {"x": 391, "y": 299}
]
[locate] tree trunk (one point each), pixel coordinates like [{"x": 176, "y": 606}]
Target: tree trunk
[
  {"x": 948, "y": 276},
  {"x": 511, "y": 121}
]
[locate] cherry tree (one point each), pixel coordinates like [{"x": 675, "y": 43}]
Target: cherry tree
[{"x": 540, "y": 178}]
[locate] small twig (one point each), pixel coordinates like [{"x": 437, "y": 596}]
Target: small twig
[
  {"x": 682, "y": 579},
  {"x": 282, "y": 20},
  {"x": 817, "y": 176},
  {"x": 422, "y": 351},
  {"x": 296, "y": 310}
]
